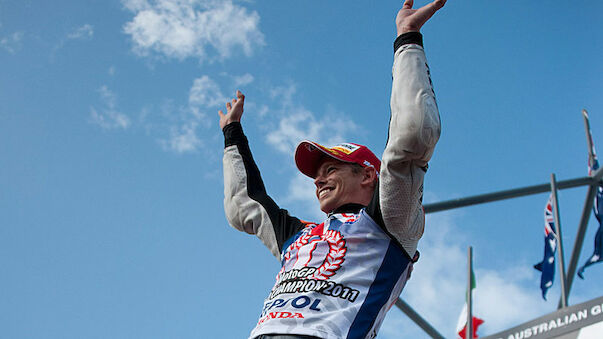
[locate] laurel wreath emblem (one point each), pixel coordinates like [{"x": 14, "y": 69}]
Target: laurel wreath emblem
[{"x": 334, "y": 258}]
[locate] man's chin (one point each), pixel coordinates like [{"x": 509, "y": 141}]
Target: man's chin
[{"x": 326, "y": 208}]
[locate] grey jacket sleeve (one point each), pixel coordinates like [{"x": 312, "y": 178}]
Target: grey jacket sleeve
[
  {"x": 247, "y": 205},
  {"x": 414, "y": 130}
]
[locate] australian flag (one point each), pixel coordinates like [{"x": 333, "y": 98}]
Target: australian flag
[
  {"x": 547, "y": 265},
  {"x": 598, "y": 211}
]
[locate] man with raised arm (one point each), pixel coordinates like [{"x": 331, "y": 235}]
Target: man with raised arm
[{"x": 339, "y": 277}]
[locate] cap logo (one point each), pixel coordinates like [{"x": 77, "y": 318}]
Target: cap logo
[
  {"x": 334, "y": 151},
  {"x": 346, "y": 148}
]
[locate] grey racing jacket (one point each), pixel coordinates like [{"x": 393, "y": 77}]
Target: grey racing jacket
[
  {"x": 339, "y": 278},
  {"x": 414, "y": 129}
]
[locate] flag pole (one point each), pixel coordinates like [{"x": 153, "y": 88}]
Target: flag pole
[
  {"x": 469, "y": 332},
  {"x": 586, "y": 212},
  {"x": 560, "y": 255},
  {"x": 589, "y": 139},
  {"x": 414, "y": 316},
  {"x": 588, "y": 206}
]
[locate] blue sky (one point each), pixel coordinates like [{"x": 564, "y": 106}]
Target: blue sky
[{"x": 111, "y": 219}]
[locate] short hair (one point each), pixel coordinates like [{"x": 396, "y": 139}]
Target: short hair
[{"x": 357, "y": 169}]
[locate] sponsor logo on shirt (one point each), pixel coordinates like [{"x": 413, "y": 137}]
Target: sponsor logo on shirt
[
  {"x": 300, "y": 303},
  {"x": 280, "y": 315},
  {"x": 302, "y": 277}
]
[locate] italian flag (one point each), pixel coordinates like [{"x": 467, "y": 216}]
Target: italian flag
[{"x": 461, "y": 325}]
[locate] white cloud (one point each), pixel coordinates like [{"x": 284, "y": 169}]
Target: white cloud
[
  {"x": 184, "y": 123},
  {"x": 192, "y": 28},
  {"x": 507, "y": 290},
  {"x": 294, "y": 128},
  {"x": 84, "y": 32},
  {"x": 178, "y": 128},
  {"x": 300, "y": 124},
  {"x": 183, "y": 139},
  {"x": 297, "y": 123},
  {"x": 109, "y": 117},
  {"x": 12, "y": 43},
  {"x": 262, "y": 111},
  {"x": 108, "y": 96},
  {"x": 243, "y": 80},
  {"x": 284, "y": 94},
  {"x": 206, "y": 92}
]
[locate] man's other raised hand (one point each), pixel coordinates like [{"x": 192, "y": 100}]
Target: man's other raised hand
[
  {"x": 234, "y": 110},
  {"x": 411, "y": 20}
]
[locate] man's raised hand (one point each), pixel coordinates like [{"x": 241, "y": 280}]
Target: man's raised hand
[
  {"x": 234, "y": 110},
  {"x": 411, "y": 20}
]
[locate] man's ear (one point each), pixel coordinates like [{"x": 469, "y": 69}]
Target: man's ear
[{"x": 369, "y": 175}]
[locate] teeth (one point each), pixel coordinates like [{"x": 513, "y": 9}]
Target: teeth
[{"x": 323, "y": 192}]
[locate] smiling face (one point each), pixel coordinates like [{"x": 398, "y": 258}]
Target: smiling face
[{"x": 339, "y": 183}]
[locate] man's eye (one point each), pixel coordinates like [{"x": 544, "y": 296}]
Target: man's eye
[{"x": 331, "y": 169}]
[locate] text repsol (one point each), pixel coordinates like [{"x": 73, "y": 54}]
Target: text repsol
[{"x": 298, "y": 302}]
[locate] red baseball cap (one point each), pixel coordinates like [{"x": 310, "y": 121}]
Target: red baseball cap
[{"x": 308, "y": 155}]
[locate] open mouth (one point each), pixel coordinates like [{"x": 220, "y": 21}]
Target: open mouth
[{"x": 324, "y": 191}]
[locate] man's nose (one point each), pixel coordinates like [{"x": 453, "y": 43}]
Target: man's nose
[{"x": 319, "y": 181}]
